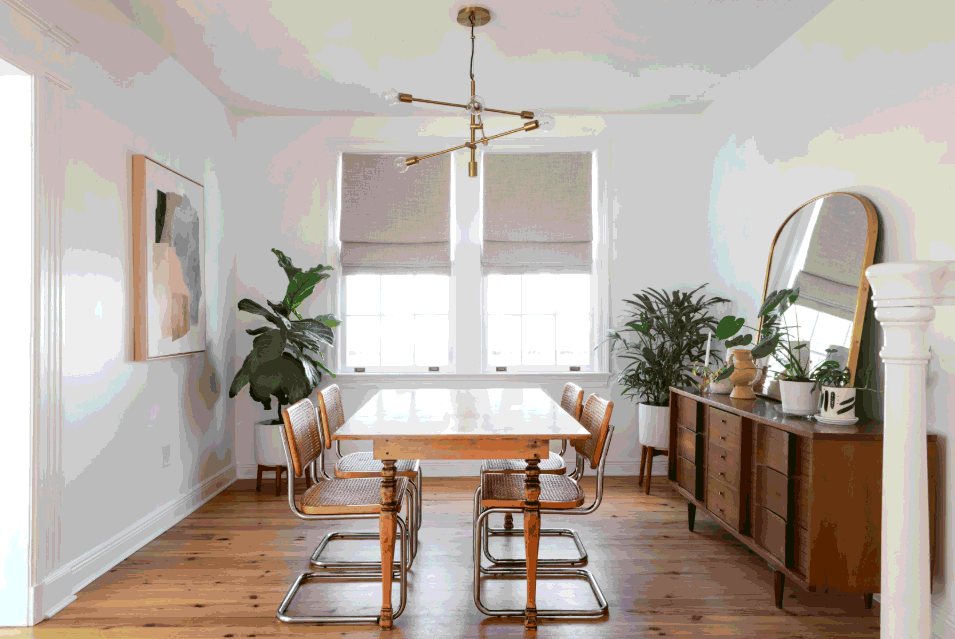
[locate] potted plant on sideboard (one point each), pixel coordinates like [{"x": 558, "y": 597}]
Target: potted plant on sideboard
[
  {"x": 280, "y": 364},
  {"x": 837, "y": 399},
  {"x": 661, "y": 338}
]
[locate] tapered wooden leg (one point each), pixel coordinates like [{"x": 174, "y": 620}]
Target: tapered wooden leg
[
  {"x": 643, "y": 464},
  {"x": 779, "y": 583},
  {"x": 649, "y": 468},
  {"x": 508, "y": 521},
  {"x": 867, "y": 598},
  {"x": 690, "y": 515},
  {"x": 386, "y": 533},
  {"x": 278, "y": 480},
  {"x": 532, "y": 538},
  {"x": 258, "y": 478}
]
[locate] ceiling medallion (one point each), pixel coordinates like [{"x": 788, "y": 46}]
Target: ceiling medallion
[{"x": 471, "y": 16}]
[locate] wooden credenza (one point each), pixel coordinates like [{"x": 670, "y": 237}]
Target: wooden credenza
[{"x": 805, "y": 497}]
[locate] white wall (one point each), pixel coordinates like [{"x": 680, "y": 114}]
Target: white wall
[
  {"x": 16, "y": 152},
  {"x": 656, "y": 199},
  {"x": 129, "y": 97},
  {"x": 861, "y": 99}
]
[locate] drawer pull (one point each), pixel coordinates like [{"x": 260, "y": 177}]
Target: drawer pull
[
  {"x": 720, "y": 508},
  {"x": 720, "y": 492},
  {"x": 723, "y": 457},
  {"x": 722, "y": 475},
  {"x": 722, "y": 438}
]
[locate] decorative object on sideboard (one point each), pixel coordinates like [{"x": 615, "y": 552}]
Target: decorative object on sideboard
[
  {"x": 279, "y": 364},
  {"x": 471, "y": 16},
  {"x": 743, "y": 375},
  {"x": 662, "y": 335},
  {"x": 822, "y": 249},
  {"x": 169, "y": 309},
  {"x": 837, "y": 401}
]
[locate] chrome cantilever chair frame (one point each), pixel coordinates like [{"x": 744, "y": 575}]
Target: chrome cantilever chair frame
[
  {"x": 318, "y": 472},
  {"x": 480, "y": 522},
  {"x": 353, "y": 570}
]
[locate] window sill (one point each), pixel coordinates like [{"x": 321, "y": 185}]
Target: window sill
[{"x": 463, "y": 380}]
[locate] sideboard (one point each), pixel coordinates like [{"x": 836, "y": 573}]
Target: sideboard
[{"x": 805, "y": 497}]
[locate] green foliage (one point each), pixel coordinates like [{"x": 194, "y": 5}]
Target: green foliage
[
  {"x": 279, "y": 364},
  {"x": 662, "y": 337},
  {"x": 771, "y": 332}
]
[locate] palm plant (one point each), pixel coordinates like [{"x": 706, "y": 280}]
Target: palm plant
[
  {"x": 662, "y": 337},
  {"x": 280, "y": 364}
]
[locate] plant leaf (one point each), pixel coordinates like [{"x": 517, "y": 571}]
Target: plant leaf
[
  {"x": 266, "y": 347},
  {"x": 739, "y": 340},
  {"x": 257, "y": 331},
  {"x": 328, "y": 320},
  {"x": 241, "y": 378},
  {"x": 286, "y": 263},
  {"x": 729, "y": 326},
  {"x": 726, "y": 373},
  {"x": 765, "y": 348}
]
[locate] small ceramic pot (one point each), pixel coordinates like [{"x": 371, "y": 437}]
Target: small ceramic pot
[
  {"x": 798, "y": 397},
  {"x": 838, "y": 404},
  {"x": 744, "y": 374},
  {"x": 654, "y": 426}
]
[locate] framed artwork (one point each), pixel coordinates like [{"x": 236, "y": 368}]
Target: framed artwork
[{"x": 169, "y": 316}]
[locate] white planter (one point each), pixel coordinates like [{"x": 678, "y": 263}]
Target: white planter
[
  {"x": 654, "y": 426},
  {"x": 269, "y": 448},
  {"x": 798, "y": 397},
  {"x": 838, "y": 404}
]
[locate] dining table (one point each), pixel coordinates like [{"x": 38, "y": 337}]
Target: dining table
[{"x": 462, "y": 424}]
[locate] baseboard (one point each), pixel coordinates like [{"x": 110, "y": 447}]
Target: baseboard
[
  {"x": 453, "y": 468},
  {"x": 59, "y": 589}
]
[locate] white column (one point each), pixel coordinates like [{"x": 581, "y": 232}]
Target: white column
[{"x": 905, "y": 294}]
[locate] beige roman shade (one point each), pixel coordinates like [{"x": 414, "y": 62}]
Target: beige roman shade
[
  {"x": 395, "y": 220},
  {"x": 538, "y": 210}
]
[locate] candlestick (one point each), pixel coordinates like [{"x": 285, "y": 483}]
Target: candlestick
[{"x": 706, "y": 362}]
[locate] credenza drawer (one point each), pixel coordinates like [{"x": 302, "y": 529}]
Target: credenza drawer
[
  {"x": 689, "y": 413},
  {"x": 723, "y": 464},
  {"x": 770, "y": 533},
  {"x": 774, "y": 449},
  {"x": 689, "y": 445},
  {"x": 773, "y": 490},
  {"x": 725, "y": 435},
  {"x": 723, "y": 502},
  {"x": 728, "y": 421},
  {"x": 689, "y": 477}
]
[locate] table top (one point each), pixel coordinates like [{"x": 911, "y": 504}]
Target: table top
[{"x": 450, "y": 414}]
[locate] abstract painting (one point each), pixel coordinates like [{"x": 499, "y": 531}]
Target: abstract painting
[{"x": 168, "y": 265}]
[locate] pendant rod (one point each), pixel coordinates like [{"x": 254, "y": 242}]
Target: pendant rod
[{"x": 530, "y": 126}]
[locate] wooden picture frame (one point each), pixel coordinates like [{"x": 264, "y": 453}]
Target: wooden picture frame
[{"x": 168, "y": 220}]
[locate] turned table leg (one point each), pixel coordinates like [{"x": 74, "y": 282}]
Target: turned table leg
[
  {"x": 532, "y": 537},
  {"x": 386, "y": 532}
]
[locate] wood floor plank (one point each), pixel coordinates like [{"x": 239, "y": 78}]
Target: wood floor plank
[{"x": 222, "y": 571}]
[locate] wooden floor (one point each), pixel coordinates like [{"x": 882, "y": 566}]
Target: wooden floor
[{"x": 223, "y": 570}]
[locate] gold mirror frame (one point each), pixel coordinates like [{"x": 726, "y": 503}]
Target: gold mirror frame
[{"x": 763, "y": 383}]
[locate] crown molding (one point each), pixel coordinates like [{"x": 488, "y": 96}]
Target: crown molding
[{"x": 49, "y": 29}]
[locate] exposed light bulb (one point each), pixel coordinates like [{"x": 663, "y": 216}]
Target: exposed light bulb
[
  {"x": 476, "y": 105},
  {"x": 401, "y": 164},
  {"x": 538, "y": 113},
  {"x": 546, "y": 122},
  {"x": 391, "y": 97}
]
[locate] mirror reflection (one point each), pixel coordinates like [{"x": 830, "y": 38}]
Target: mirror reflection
[{"x": 822, "y": 249}]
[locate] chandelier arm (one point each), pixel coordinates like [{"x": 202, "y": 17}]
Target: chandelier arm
[
  {"x": 451, "y": 104},
  {"x": 530, "y": 126},
  {"x": 455, "y": 148},
  {"x": 527, "y": 115}
]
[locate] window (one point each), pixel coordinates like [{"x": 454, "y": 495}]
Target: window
[
  {"x": 396, "y": 321},
  {"x": 538, "y": 320}
]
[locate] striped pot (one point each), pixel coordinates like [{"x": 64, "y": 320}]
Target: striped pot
[{"x": 838, "y": 403}]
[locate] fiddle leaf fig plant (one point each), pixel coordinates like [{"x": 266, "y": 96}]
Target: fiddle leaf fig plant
[{"x": 285, "y": 361}]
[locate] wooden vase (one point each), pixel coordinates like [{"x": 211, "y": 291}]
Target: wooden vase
[{"x": 744, "y": 374}]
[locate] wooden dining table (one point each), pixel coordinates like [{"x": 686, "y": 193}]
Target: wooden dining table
[{"x": 464, "y": 424}]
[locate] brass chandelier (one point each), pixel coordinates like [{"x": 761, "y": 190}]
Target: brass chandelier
[{"x": 471, "y": 16}]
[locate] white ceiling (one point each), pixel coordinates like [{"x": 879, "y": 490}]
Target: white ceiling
[{"x": 336, "y": 57}]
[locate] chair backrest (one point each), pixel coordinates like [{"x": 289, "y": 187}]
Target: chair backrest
[
  {"x": 596, "y": 419},
  {"x": 572, "y": 400},
  {"x": 301, "y": 434},
  {"x": 332, "y": 411}
]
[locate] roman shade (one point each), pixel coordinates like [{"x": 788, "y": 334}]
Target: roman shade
[
  {"x": 538, "y": 210},
  {"x": 394, "y": 220}
]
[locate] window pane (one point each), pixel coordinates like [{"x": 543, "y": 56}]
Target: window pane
[
  {"x": 362, "y": 294},
  {"x": 573, "y": 339},
  {"x": 537, "y": 339},
  {"x": 537, "y": 293},
  {"x": 503, "y": 294},
  {"x": 398, "y": 294},
  {"x": 431, "y": 340},
  {"x": 572, "y": 293},
  {"x": 397, "y": 340},
  {"x": 431, "y": 294},
  {"x": 503, "y": 340},
  {"x": 363, "y": 335}
]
